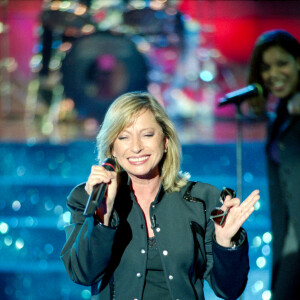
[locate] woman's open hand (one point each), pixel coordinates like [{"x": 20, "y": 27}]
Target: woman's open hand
[{"x": 238, "y": 213}]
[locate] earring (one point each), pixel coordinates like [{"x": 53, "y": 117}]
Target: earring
[{"x": 166, "y": 150}]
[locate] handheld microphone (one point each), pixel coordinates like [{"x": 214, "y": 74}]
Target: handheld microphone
[
  {"x": 238, "y": 96},
  {"x": 99, "y": 190}
]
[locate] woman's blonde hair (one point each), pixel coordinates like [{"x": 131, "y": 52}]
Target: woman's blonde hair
[{"x": 121, "y": 113}]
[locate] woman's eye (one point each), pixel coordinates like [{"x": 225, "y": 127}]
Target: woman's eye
[
  {"x": 265, "y": 68},
  {"x": 122, "y": 137},
  {"x": 282, "y": 63},
  {"x": 149, "y": 134}
]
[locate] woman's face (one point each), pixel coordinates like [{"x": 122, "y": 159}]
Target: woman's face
[
  {"x": 280, "y": 72},
  {"x": 140, "y": 147}
]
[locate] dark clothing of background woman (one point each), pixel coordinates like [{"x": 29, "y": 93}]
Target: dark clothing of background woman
[{"x": 283, "y": 152}]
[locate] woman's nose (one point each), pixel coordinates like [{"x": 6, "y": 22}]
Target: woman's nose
[
  {"x": 137, "y": 145},
  {"x": 274, "y": 71}
]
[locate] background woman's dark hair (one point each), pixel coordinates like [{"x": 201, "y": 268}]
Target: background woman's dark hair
[{"x": 268, "y": 39}]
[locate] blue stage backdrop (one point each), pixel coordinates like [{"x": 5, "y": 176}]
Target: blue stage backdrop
[{"x": 36, "y": 179}]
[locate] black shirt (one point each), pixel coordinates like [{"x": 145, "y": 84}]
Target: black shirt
[{"x": 155, "y": 284}]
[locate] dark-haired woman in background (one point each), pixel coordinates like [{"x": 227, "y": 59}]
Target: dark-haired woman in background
[{"x": 275, "y": 65}]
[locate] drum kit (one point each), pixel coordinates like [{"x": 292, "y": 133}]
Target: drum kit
[{"x": 101, "y": 49}]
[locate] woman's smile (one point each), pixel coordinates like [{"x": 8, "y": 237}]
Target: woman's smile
[{"x": 138, "y": 160}]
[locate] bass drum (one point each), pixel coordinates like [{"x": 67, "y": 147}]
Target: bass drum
[{"x": 99, "y": 68}]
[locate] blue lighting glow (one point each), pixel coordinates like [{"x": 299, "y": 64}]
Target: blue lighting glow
[
  {"x": 266, "y": 295},
  {"x": 67, "y": 217},
  {"x": 206, "y": 76},
  {"x": 8, "y": 240},
  {"x": 261, "y": 262},
  {"x": 16, "y": 205},
  {"x": 19, "y": 243},
  {"x": 21, "y": 171},
  {"x": 248, "y": 177},
  {"x": 257, "y": 241},
  {"x": 267, "y": 237},
  {"x": 58, "y": 210},
  {"x": 257, "y": 205},
  {"x": 49, "y": 248},
  {"x": 43, "y": 264},
  {"x": 3, "y": 228},
  {"x": 49, "y": 205},
  {"x": 258, "y": 286},
  {"x": 266, "y": 250},
  {"x": 86, "y": 294}
]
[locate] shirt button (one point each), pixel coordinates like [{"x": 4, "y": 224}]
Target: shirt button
[
  {"x": 157, "y": 229},
  {"x": 165, "y": 252},
  {"x": 143, "y": 251},
  {"x": 138, "y": 275},
  {"x": 171, "y": 277}
]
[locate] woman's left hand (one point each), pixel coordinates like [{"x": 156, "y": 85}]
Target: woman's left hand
[{"x": 238, "y": 213}]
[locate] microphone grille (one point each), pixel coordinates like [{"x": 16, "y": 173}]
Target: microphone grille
[
  {"x": 109, "y": 164},
  {"x": 260, "y": 90}
]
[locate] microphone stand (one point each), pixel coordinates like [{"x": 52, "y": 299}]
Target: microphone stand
[
  {"x": 237, "y": 98},
  {"x": 239, "y": 152},
  {"x": 239, "y": 156}
]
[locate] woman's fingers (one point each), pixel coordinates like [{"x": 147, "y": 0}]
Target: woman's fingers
[
  {"x": 246, "y": 208},
  {"x": 251, "y": 199},
  {"x": 248, "y": 202},
  {"x": 98, "y": 175}
]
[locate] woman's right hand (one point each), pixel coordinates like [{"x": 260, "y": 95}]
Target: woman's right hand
[{"x": 100, "y": 175}]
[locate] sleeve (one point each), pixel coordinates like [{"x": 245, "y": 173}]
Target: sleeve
[
  {"x": 226, "y": 268},
  {"x": 230, "y": 267},
  {"x": 88, "y": 246}
]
